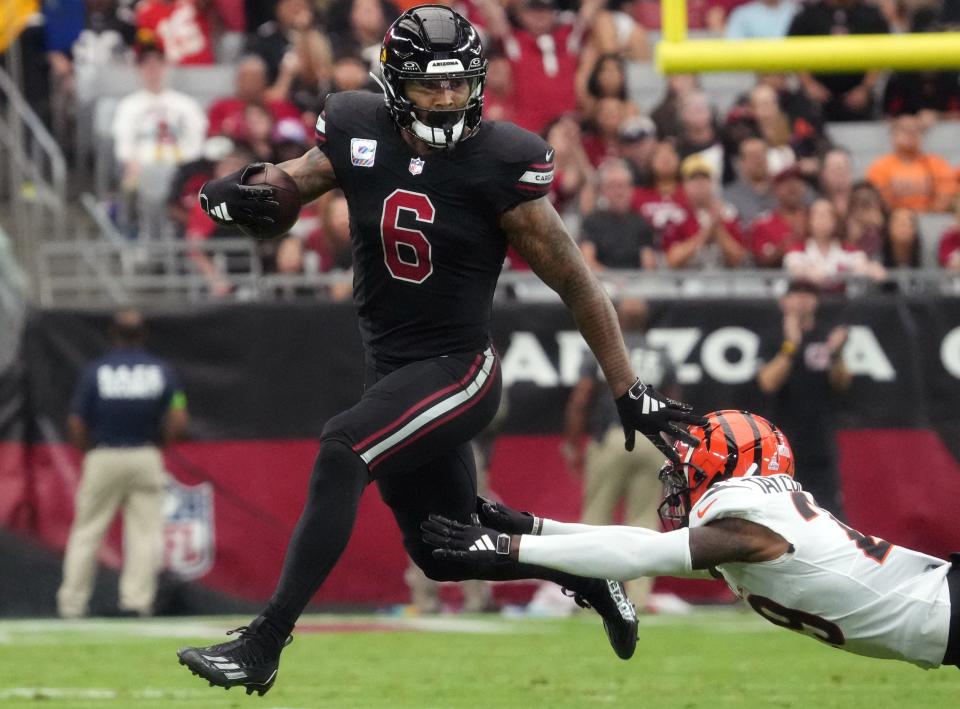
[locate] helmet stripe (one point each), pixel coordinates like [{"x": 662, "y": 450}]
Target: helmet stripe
[
  {"x": 733, "y": 454},
  {"x": 757, "y": 440}
]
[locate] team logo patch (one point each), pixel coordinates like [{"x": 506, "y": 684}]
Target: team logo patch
[
  {"x": 416, "y": 166},
  {"x": 188, "y": 549},
  {"x": 363, "y": 152}
]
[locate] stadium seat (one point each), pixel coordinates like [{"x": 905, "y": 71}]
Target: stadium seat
[{"x": 866, "y": 140}]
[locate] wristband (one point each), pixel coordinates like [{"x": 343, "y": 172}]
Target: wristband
[{"x": 788, "y": 348}]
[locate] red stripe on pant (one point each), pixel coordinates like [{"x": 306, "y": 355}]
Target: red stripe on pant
[
  {"x": 409, "y": 413},
  {"x": 453, "y": 414}
]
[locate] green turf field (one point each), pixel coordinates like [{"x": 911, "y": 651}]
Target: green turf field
[{"x": 714, "y": 659}]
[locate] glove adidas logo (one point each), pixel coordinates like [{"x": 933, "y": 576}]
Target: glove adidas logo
[
  {"x": 220, "y": 212},
  {"x": 651, "y": 405},
  {"x": 483, "y": 544}
]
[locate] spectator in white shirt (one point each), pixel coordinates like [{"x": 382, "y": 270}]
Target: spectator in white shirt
[
  {"x": 155, "y": 129},
  {"x": 822, "y": 260},
  {"x": 761, "y": 19}
]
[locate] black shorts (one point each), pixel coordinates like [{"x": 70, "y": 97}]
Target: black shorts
[
  {"x": 420, "y": 412},
  {"x": 952, "y": 655}
]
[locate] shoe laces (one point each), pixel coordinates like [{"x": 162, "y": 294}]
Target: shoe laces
[
  {"x": 251, "y": 647},
  {"x": 577, "y": 597}
]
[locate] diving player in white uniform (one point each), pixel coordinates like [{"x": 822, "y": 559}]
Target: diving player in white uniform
[{"x": 744, "y": 518}]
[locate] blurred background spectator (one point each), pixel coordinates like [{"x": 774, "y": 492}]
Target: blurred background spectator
[
  {"x": 901, "y": 249},
  {"x": 751, "y": 193},
  {"x": 760, "y": 19},
  {"x": 181, "y": 28},
  {"x": 949, "y": 250},
  {"x": 155, "y": 129},
  {"x": 909, "y": 177},
  {"x": 614, "y": 236},
  {"x": 226, "y": 116},
  {"x": 709, "y": 236},
  {"x": 844, "y": 97},
  {"x": 660, "y": 200},
  {"x": 822, "y": 259},
  {"x": 775, "y": 232},
  {"x": 297, "y": 55},
  {"x": 865, "y": 225}
]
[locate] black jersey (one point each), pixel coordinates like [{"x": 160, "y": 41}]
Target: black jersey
[{"x": 427, "y": 246}]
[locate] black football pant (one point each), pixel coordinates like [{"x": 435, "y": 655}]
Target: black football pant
[{"x": 411, "y": 433}]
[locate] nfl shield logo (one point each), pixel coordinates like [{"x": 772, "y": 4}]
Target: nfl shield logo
[
  {"x": 188, "y": 529},
  {"x": 416, "y": 166}
]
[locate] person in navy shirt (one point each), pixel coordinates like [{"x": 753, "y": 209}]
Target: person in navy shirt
[{"x": 127, "y": 405}]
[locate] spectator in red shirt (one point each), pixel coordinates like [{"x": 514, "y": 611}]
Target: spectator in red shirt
[
  {"x": 710, "y": 236},
  {"x": 603, "y": 140},
  {"x": 226, "y": 115},
  {"x": 662, "y": 202},
  {"x": 949, "y": 254},
  {"x": 544, "y": 54},
  {"x": 180, "y": 27},
  {"x": 778, "y": 231}
]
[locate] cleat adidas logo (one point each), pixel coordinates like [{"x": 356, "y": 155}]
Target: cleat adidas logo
[{"x": 627, "y": 611}]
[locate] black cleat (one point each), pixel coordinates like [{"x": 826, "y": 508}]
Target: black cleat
[
  {"x": 247, "y": 662},
  {"x": 609, "y": 599}
]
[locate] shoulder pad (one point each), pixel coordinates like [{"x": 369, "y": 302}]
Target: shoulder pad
[{"x": 731, "y": 498}]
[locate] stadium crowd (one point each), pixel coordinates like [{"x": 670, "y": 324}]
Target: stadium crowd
[{"x": 645, "y": 182}]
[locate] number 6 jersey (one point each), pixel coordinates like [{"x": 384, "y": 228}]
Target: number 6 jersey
[
  {"x": 847, "y": 589},
  {"x": 427, "y": 246}
]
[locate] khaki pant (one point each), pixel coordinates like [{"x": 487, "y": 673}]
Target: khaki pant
[
  {"x": 612, "y": 474},
  {"x": 134, "y": 478}
]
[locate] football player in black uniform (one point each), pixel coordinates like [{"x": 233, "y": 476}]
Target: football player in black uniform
[{"x": 435, "y": 196}]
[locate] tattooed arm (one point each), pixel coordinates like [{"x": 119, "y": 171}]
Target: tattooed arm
[
  {"x": 536, "y": 231},
  {"x": 312, "y": 172}
]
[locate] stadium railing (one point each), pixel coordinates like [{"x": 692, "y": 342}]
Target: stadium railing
[{"x": 106, "y": 272}]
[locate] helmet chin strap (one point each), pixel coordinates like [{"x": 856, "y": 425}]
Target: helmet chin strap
[{"x": 437, "y": 137}]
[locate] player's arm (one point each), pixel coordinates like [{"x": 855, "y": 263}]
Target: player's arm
[
  {"x": 539, "y": 235},
  {"x": 536, "y": 231},
  {"x": 620, "y": 553},
  {"x": 312, "y": 172}
]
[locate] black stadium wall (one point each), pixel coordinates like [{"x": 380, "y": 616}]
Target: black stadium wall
[{"x": 262, "y": 379}]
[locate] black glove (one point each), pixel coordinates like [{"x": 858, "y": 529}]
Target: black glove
[
  {"x": 456, "y": 541},
  {"x": 645, "y": 409},
  {"x": 228, "y": 201},
  {"x": 498, "y": 516}
]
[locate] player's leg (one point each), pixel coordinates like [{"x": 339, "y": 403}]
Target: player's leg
[
  {"x": 98, "y": 497},
  {"x": 447, "y": 485},
  {"x": 377, "y": 433}
]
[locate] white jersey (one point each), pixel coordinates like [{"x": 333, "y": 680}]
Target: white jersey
[{"x": 852, "y": 591}]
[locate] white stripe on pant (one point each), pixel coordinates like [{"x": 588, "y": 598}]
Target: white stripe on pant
[{"x": 134, "y": 478}]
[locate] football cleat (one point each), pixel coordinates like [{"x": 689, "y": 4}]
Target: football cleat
[
  {"x": 247, "y": 662},
  {"x": 609, "y": 599}
]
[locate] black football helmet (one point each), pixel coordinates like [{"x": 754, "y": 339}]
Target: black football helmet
[{"x": 433, "y": 43}]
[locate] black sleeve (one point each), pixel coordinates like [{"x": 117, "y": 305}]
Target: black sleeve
[
  {"x": 802, "y": 24},
  {"x": 524, "y": 168}
]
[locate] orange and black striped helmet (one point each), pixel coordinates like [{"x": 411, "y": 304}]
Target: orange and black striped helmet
[{"x": 733, "y": 444}]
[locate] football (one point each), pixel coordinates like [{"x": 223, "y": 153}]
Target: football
[{"x": 287, "y": 196}]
